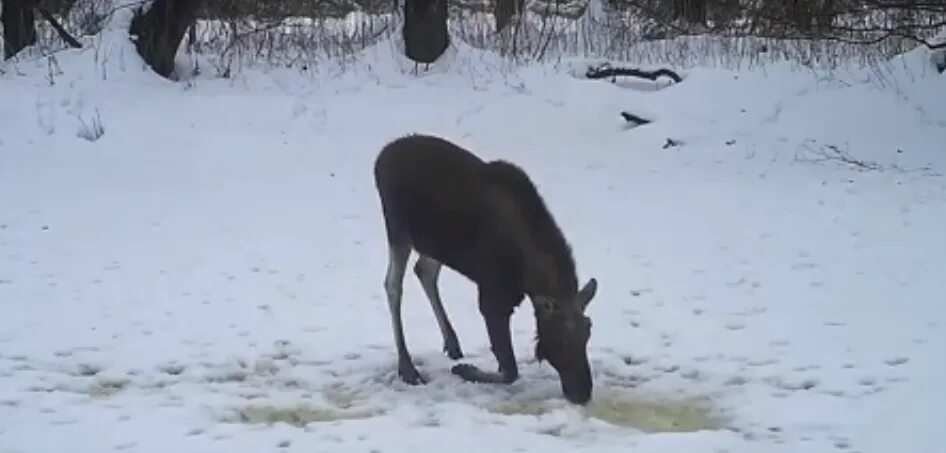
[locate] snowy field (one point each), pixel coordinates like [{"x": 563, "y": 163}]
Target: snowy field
[{"x": 207, "y": 275}]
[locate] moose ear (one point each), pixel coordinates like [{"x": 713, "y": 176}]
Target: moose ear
[{"x": 587, "y": 292}]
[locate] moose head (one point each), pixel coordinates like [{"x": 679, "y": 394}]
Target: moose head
[{"x": 563, "y": 334}]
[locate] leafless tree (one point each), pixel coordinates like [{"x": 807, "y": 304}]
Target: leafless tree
[{"x": 159, "y": 29}]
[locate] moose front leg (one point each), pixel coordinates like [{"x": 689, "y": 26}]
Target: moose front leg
[{"x": 500, "y": 338}]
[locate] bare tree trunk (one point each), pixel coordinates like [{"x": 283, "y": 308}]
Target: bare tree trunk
[
  {"x": 425, "y": 30},
  {"x": 19, "y": 28},
  {"x": 159, "y": 32},
  {"x": 693, "y": 11},
  {"x": 504, "y": 10}
]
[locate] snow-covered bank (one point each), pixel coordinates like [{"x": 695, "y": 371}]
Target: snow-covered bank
[{"x": 215, "y": 259}]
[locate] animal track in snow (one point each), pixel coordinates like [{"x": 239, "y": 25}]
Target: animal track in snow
[
  {"x": 171, "y": 368},
  {"x": 87, "y": 369},
  {"x": 667, "y": 368},
  {"x": 762, "y": 362},
  {"x": 793, "y": 385},
  {"x": 630, "y": 360},
  {"x": 752, "y": 311},
  {"x": 804, "y": 266},
  {"x": 896, "y": 379},
  {"x": 896, "y": 361}
]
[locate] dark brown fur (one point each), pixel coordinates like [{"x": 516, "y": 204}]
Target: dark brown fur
[{"x": 486, "y": 221}]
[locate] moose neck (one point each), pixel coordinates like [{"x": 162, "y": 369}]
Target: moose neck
[
  {"x": 548, "y": 275},
  {"x": 548, "y": 269}
]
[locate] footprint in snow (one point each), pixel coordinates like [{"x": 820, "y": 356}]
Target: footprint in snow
[
  {"x": 171, "y": 368},
  {"x": 762, "y": 362},
  {"x": 633, "y": 361},
  {"x": 805, "y": 265},
  {"x": 667, "y": 368},
  {"x": 87, "y": 369},
  {"x": 804, "y": 384},
  {"x": 896, "y": 361}
]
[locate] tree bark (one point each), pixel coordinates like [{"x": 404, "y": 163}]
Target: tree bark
[
  {"x": 692, "y": 11},
  {"x": 159, "y": 32},
  {"x": 425, "y": 30},
  {"x": 504, "y": 10},
  {"x": 19, "y": 28}
]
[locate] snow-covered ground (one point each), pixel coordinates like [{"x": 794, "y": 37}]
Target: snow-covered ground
[{"x": 214, "y": 261}]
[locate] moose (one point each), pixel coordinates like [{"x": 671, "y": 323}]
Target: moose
[{"x": 486, "y": 221}]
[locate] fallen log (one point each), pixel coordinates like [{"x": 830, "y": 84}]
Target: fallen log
[{"x": 605, "y": 71}]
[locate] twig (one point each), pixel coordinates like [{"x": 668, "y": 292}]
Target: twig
[{"x": 634, "y": 119}]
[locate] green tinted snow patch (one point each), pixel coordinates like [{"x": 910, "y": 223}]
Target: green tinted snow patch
[
  {"x": 648, "y": 416},
  {"x": 297, "y": 416}
]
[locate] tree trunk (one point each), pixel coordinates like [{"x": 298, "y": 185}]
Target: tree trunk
[
  {"x": 425, "y": 30},
  {"x": 19, "y": 28},
  {"x": 159, "y": 32},
  {"x": 503, "y": 10},
  {"x": 692, "y": 11}
]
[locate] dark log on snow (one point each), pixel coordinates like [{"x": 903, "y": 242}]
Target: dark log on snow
[
  {"x": 425, "y": 30},
  {"x": 605, "y": 71},
  {"x": 19, "y": 28},
  {"x": 634, "y": 119},
  {"x": 158, "y": 32}
]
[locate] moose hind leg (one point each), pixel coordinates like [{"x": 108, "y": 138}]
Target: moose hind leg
[
  {"x": 427, "y": 270},
  {"x": 393, "y": 286}
]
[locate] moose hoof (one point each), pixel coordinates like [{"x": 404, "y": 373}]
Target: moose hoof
[
  {"x": 467, "y": 372},
  {"x": 453, "y": 351},
  {"x": 411, "y": 376}
]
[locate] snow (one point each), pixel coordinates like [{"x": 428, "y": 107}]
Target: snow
[{"x": 214, "y": 260}]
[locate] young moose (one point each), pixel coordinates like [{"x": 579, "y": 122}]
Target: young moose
[{"x": 486, "y": 221}]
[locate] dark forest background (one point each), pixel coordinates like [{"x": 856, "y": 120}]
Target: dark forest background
[{"x": 298, "y": 32}]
